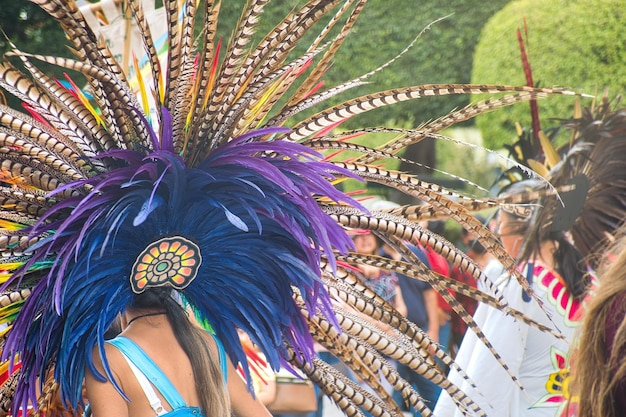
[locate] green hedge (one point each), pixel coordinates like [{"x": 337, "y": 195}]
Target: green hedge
[{"x": 578, "y": 44}]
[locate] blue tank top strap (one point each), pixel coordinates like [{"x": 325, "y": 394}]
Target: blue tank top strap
[
  {"x": 185, "y": 412},
  {"x": 150, "y": 370}
]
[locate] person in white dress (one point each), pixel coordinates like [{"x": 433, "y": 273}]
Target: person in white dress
[{"x": 536, "y": 358}]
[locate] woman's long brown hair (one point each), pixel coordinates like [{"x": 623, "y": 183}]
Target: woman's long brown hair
[{"x": 597, "y": 373}]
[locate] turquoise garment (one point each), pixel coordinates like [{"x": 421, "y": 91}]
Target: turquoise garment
[{"x": 154, "y": 375}]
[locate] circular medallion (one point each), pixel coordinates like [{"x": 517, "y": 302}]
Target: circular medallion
[{"x": 172, "y": 261}]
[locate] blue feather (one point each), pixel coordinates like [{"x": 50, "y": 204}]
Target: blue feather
[{"x": 146, "y": 208}]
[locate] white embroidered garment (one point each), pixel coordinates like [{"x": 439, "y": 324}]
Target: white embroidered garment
[{"x": 538, "y": 359}]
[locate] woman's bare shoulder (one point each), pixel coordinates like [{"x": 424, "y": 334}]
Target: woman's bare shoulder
[{"x": 112, "y": 355}]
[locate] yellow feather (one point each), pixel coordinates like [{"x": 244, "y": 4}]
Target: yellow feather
[
  {"x": 8, "y": 313},
  {"x": 83, "y": 99},
  {"x": 4, "y": 367},
  {"x": 578, "y": 113},
  {"x": 142, "y": 87},
  {"x": 6, "y": 274},
  {"x": 259, "y": 106},
  {"x": 9, "y": 266},
  {"x": 538, "y": 167},
  {"x": 9, "y": 225},
  {"x": 4, "y": 331},
  {"x": 552, "y": 157}
]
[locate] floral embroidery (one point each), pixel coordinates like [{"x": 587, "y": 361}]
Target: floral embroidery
[
  {"x": 557, "y": 384},
  {"x": 570, "y": 308}
]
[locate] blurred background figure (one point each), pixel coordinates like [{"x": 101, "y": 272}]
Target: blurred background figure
[
  {"x": 382, "y": 282},
  {"x": 441, "y": 332}
]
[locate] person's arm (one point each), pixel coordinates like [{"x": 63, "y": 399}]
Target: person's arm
[
  {"x": 432, "y": 311},
  {"x": 242, "y": 402},
  {"x": 104, "y": 400},
  {"x": 267, "y": 387},
  {"x": 400, "y": 305}
]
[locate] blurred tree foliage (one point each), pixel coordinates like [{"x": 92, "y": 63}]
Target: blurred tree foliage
[
  {"x": 577, "y": 44},
  {"x": 30, "y": 28}
]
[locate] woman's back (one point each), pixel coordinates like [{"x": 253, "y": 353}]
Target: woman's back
[{"x": 155, "y": 336}]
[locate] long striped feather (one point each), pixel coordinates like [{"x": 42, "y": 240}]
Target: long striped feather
[
  {"x": 284, "y": 40},
  {"x": 408, "y": 231},
  {"x": 238, "y": 67},
  {"x": 263, "y": 93},
  {"x": 76, "y": 122},
  {"x": 19, "y": 169},
  {"x": 332, "y": 338},
  {"x": 173, "y": 50},
  {"x": 380, "y": 341},
  {"x": 455, "y": 117},
  {"x": 235, "y": 52},
  {"x": 262, "y": 105},
  {"x": 330, "y": 142},
  {"x": 180, "y": 96},
  {"x": 369, "y": 102},
  {"x": 22, "y": 132}
]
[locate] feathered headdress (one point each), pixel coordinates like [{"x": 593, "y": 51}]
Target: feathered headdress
[
  {"x": 587, "y": 169},
  {"x": 198, "y": 185},
  {"x": 591, "y": 163}
]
